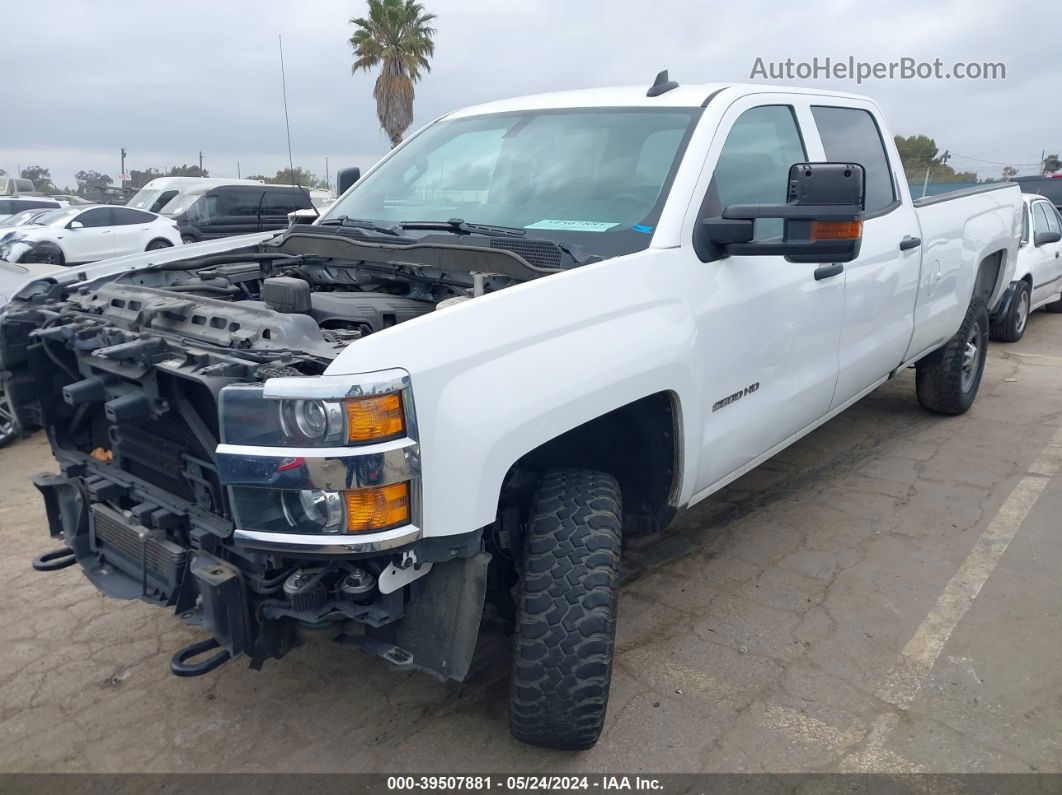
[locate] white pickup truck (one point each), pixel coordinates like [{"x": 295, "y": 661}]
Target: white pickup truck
[{"x": 533, "y": 327}]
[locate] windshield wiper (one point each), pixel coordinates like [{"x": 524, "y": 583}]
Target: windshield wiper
[
  {"x": 360, "y": 223},
  {"x": 459, "y": 226}
]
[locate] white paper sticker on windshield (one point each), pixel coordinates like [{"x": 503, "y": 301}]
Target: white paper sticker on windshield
[{"x": 572, "y": 226}]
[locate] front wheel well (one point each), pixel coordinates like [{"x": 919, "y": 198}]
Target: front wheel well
[{"x": 639, "y": 444}]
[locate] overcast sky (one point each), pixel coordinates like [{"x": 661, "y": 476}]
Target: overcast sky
[{"x": 166, "y": 80}]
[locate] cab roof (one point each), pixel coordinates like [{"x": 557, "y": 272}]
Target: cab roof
[{"x": 690, "y": 95}]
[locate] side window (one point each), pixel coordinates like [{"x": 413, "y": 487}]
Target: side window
[
  {"x": 850, "y": 135},
  {"x": 753, "y": 165},
  {"x": 5, "y": 207},
  {"x": 124, "y": 216},
  {"x": 98, "y": 216},
  {"x": 1040, "y": 223},
  {"x": 278, "y": 202},
  {"x": 240, "y": 202}
]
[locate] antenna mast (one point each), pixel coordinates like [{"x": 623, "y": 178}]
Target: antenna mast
[{"x": 287, "y": 124}]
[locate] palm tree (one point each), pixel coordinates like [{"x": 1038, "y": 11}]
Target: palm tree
[{"x": 397, "y": 35}]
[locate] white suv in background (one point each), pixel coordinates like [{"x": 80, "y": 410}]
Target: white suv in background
[{"x": 76, "y": 235}]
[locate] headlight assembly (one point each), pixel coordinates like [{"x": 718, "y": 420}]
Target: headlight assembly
[
  {"x": 306, "y": 458},
  {"x": 247, "y": 417}
]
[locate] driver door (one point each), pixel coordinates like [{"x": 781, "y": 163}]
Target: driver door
[
  {"x": 1047, "y": 259},
  {"x": 769, "y": 329},
  {"x": 93, "y": 240}
]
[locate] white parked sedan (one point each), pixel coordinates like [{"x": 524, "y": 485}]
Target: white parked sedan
[
  {"x": 76, "y": 235},
  {"x": 1037, "y": 273}
]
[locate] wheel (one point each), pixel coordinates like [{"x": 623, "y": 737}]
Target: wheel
[
  {"x": 947, "y": 380},
  {"x": 188, "y": 239},
  {"x": 1011, "y": 326},
  {"x": 155, "y": 245},
  {"x": 10, "y": 428},
  {"x": 566, "y": 615},
  {"x": 45, "y": 254}
]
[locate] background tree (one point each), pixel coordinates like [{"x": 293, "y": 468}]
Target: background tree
[
  {"x": 184, "y": 170},
  {"x": 90, "y": 180},
  {"x": 396, "y": 36},
  {"x": 300, "y": 176},
  {"x": 42, "y": 178},
  {"x": 138, "y": 179},
  {"x": 1009, "y": 172},
  {"x": 919, "y": 152},
  {"x": 1052, "y": 164}
]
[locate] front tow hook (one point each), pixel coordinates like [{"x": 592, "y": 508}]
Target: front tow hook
[
  {"x": 181, "y": 667},
  {"x": 55, "y": 560}
]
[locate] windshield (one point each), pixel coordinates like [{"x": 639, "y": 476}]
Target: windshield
[
  {"x": 52, "y": 216},
  {"x": 593, "y": 178},
  {"x": 144, "y": 198},
  {"x": 24, "y": 217},
  {"x": 181, "y": 203}
]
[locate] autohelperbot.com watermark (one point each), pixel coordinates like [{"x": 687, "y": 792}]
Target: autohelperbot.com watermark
[{"x": 851, "y": 68}]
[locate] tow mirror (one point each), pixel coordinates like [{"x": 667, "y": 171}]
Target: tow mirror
[
  {"x": 76, "y": 225},
  {"x": 822, "y": 215},
  {"x": 1043, "y": 238},
  {"x": 347, "y": 177}
]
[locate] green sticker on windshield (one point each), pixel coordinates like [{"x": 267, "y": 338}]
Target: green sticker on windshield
[{"x": 572, "y": 226}]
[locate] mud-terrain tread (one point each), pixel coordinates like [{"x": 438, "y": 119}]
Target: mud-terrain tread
[
  {"x": 938, "y": 377},
  {"x": 566, "y": 624},
  {"x": 1005, "y": 328}
]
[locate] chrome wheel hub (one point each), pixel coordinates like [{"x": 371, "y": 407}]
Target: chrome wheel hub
[
  {"x": 1023, "y": 312},
  {"x": 971, "y": 356}
]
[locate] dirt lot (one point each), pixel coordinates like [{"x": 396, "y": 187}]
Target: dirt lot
[{"x": 883, "y": 596}]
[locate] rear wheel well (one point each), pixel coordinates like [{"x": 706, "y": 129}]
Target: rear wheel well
[
  {"x": 638, "y": 444},
  {"x": 988, "y": 274}
]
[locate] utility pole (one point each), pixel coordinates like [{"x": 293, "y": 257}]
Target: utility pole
[
  {"x": 237, "y": 170},
  {"x": 328, "y": 182},
  {"x": 200, "y": 163},
  {"x": 944, "y": 158},
  {"x": 121, "y": 174}
]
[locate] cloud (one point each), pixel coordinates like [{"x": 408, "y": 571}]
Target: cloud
[{"x": 168, "y": 80}]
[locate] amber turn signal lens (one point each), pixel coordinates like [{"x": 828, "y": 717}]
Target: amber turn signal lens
[
  {"x": 836, "y": 230},
  {"x": 381, "y": 508},
  {"x": 376, "y": 418}
]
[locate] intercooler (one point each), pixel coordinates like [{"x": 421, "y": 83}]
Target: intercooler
[{"x": 142, "y": 553}]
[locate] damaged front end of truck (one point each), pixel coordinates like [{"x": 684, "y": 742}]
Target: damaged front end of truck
[{"x": 209, "y": 464}]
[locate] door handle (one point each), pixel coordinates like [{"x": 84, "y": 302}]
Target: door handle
[
  {"x": 826, "y": 271},
  {"x": 910, "y": 242}
]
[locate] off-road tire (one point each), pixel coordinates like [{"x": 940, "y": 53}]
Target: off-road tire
[
  {"x": 939, "y": 377},
  {"x": 1011, "y": 326},
  {"x": 566, "y": 614}
]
